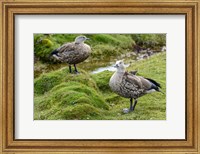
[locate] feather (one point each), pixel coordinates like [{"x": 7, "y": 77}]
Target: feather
[
  {"x": 154, "y": 82},
  {"x": 67, "y": 47}
]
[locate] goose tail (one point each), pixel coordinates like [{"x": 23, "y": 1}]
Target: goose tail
[
  {"x": 161, "y": 91},
  {"x": 154, "y": 82},
  {"x": 155, "y": 85},
  {"x": 54, "y": 53}
]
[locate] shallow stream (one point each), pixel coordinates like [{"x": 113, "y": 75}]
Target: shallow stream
[{"x": 93, "y": 65}]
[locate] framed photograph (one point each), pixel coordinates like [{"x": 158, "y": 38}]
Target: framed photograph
[{"x": 99, "y": 76}]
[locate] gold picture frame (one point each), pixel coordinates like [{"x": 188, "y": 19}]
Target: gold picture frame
[{"x": 9, "y": 8}]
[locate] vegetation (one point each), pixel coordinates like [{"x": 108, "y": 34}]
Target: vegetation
[
  {"x": 150, "y": 40},
  {"x": 103, "y": 45},
  {"x": 61, "y": 95},
  {"x": 151, "y": 106}
]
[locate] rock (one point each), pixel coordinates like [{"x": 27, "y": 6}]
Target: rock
[{"x": 163, "y": 48}]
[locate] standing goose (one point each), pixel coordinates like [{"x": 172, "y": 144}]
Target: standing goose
[
  {"x": 129, "y": 85},
  {"x": 73, "y": 53}
]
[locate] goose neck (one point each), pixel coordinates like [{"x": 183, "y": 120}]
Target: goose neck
[{"x": 120, "y": 71}]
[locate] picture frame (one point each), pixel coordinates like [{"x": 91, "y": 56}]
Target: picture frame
[{"x": 7, "y": 93}]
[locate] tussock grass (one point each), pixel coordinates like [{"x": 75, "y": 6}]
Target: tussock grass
[
  {"x": 47, "y": 81},
  {"x": 103, "y": 45},
  {"x": 44, "y": 45},
  {"x": 64, "y": 96}
]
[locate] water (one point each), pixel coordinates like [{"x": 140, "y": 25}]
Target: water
[
  {"x": 107, "y": 68},
  {"x": 92, "y": 65},
  {"x": 127, "y": 58}
]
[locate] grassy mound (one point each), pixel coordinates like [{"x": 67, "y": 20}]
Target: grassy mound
[
  {"x": 70, "y": 100},
  {"x": 102, "y": 80},
  {"x": 61, "y": 95},
  {"x": 47, "y": 81}
]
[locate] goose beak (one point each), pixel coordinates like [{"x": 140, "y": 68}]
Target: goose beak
[
  {"x": 116, "y": 66},
  {"x": 87, "y": 38}
]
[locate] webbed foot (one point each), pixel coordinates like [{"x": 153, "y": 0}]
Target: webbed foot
[
  {"x": 76, "y": 72},
  {"x": 126, "y": 110}
]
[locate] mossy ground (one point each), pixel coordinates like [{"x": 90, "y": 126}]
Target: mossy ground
[
  {"x": 104, "y": 47},
  {"x": 102, "y": 44},
  {"x": 60, "y": 95}
]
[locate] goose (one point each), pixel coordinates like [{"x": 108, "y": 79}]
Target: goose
[
  {"x": 129, "y": 85},
  {"x": 73, "y": 53}
]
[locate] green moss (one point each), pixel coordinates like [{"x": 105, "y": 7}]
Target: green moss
[
  {"x": 150, "y": 40},
  {"x": 111, "y": 45},
  {"x": 105, "y": 38},
  {"x": 47, "y": 42},
  {"x": 154, "y": 67},
  {"x": 80, "y": 111},
  {"x": 102, "y": 50},
  {"x": 75, "y": 92},
  {"x": 64, "y": 96},
  {"x": 60, "y": 91},
  {"x": 149, "y": 107},
  {"x": 125, "y": 41},
  {"x": 102, "y": 80},
  {"x": 75, "y": 100},
  {"x": 112, "y": 98},
  {"x": 47, "y": 81},
  {"x": 102, "y": 44},
  {"x": 43, "y": 48}
]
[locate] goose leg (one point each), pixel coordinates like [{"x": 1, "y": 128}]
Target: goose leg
[
  {"x": 134, "y": 104},
  {"x": 70, "y": 69},
  {"x": 132, "y": 107},
  {"x": 76, "y": 71},
  {"x": 126, "y": 110},
  {"x": 131, "y": 104}
]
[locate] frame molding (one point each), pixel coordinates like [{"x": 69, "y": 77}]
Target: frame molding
[{"x": 10, "y": 8}]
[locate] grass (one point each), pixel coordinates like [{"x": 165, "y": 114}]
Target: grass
[
  {"x": 149, "y": 107},
  {"x": 102, "y": 45},
  {"x": 64, "y": 96},
  {"x": 59, "y": 95}
]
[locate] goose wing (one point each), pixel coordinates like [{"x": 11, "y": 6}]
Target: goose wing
[
  {"x": 134, "y": 72},
  {"x": 146, "y": 84},
  {"x": 154, "y": 82},
  {"x": 66, "y": 47},
  {"x": 141, "y": 82},
  {"x": 150, "y": 84},
  {"x": 133, "y": 79}
]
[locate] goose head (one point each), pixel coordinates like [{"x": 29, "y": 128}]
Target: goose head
[
  {"x": 80, "y": 39},
  {"x": 120, "y": 66}
]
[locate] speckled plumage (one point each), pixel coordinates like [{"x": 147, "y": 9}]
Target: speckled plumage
[
  {"x": 129, "y": 85},
  {"x": 73, "y": 53}
]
